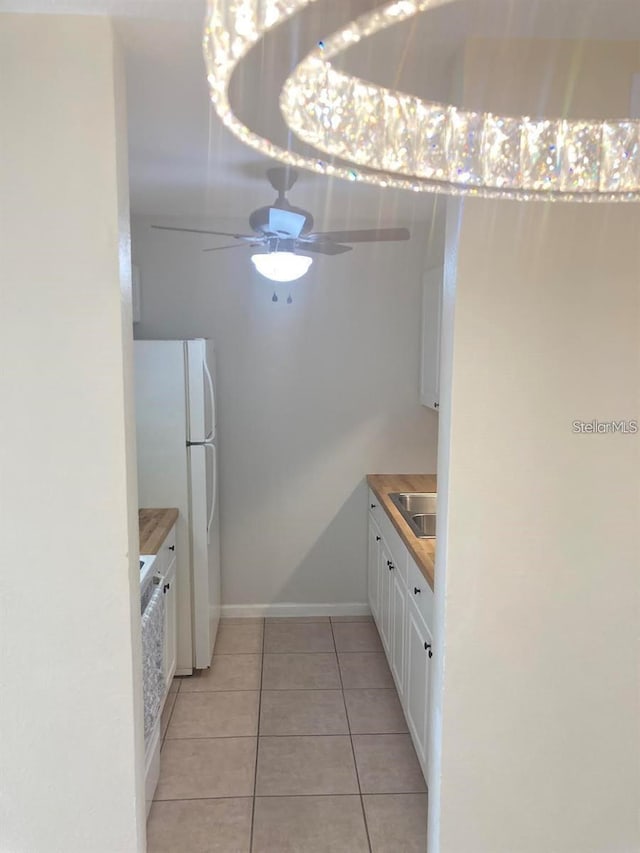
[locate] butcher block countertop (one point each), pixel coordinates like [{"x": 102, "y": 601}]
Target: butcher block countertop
[
  {"x": 155, "y": 525},
  {"x": 423, "y": 551}
]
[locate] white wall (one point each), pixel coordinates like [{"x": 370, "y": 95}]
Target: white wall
[
  {"x": 71, "y": 721},
  {"x": 312, "y": 397},
  {"x": 539, "y": 600}
]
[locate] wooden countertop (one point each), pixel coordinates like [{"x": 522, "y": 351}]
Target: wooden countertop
[
  {"x": 423, "y": 551},
  {"x": 155, "y": 525}
]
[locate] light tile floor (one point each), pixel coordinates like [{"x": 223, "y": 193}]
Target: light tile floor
[{"x": 293, "y": 742}]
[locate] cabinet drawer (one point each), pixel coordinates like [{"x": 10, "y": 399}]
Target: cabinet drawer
[
  {"x": 397, "y": 549},
  {"x": 423, "y": 599}
]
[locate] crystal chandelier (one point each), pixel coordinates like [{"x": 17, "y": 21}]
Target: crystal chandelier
[{"x": 366, "y": 132}]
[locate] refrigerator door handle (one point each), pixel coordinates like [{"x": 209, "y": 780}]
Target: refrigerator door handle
[
  {"x": 205, "y": 368},
  {"x": 214, "y": 487}
]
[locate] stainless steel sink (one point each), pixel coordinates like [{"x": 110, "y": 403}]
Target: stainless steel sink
[
  {"x": 426, "y": 524},
  {"x": 419, "y": 511},
  {"x": 423, "y": 503}
]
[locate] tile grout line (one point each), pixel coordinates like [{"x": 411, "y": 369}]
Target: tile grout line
[
  {"x": 233, "y": 654},
  {"x": 242, "y": 621},
  {"x": 353, "y": 751},
  {"x": 288, "y": 796},
  {"x": 201, "y": 692},
  {"x": 320, "y": 652},
  {"x": 255, "y": 773},
  {"x": 217, "y": 690},
  {"x": 300, "y": 734},
  {"x": 216, "y": 737},
  {"x": 308, "y": 689}
]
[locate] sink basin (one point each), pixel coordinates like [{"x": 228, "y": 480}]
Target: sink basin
[
  {"x": 423, "y": 503},
  {"x": 418, "y": 510},
  {"x": 426, "y": 524}
]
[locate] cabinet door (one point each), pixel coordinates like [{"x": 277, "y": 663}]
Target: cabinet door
[
  {"x": 373, "y": 558},
  {"x": 170, "y": 624},
  {"x": 399, "y": 611},
  {"x": 385, "y": 581},
  {"x": 419, "y": 647},
  {"x": 431, "y": 322}
]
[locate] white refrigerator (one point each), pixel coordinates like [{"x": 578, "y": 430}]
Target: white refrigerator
[{"x": 177, "y": 467}]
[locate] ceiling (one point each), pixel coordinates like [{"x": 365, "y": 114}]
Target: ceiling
[{"x": 185, "y": 165}]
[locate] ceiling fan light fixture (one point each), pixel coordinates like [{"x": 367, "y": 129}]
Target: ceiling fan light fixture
[{"x": 281, "y": 266}]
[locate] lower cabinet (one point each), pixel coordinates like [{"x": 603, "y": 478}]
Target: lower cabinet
[
  {"x": 385, "y": 579},
  {"x": 398, "y": 614},
  {"x": 170, "y": 656},
  {"x": 401, "y": 602},
  {"x": 373, "y": 560},
  {"x": 419, "y": 654},
  {"x": 165, "y": 569}
]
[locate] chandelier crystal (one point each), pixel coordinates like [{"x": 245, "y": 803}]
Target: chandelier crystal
[{"x": 370, "y": 133}]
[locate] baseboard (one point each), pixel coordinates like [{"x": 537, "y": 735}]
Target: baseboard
[{"x": 285, "y": 609}]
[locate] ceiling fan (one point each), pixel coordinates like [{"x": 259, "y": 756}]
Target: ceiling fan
[{"x": 284, "y": 234}]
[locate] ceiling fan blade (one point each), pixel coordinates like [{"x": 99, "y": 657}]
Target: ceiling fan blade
[
  {"x": 232, "y": 246},
  {"x": 369, "y": 235},
  {"x": 322, "y": 248},
  {"x": 202, "y": 231}
]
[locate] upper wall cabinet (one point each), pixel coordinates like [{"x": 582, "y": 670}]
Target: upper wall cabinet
[{"x": 432, "y": 283}]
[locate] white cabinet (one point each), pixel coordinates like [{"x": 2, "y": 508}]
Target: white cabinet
[
  {"x": 419, "y": 654},
  {"x": 165, "y": 569},
  {"x": 385, "y": 568},
  {"x": 170, "y": 625},
  {"x": 167, "y": 572},
  {"x": 373, "y": 560},
  {"x": 398, "y": 610},
  {"x": 432, "y": 283},
  {"x": 401, "y": 601}
]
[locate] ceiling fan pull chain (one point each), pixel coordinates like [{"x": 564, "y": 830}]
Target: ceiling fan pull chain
[
  {"x": 274, "y": 298},
  {"x": 289, "y": 299}
]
